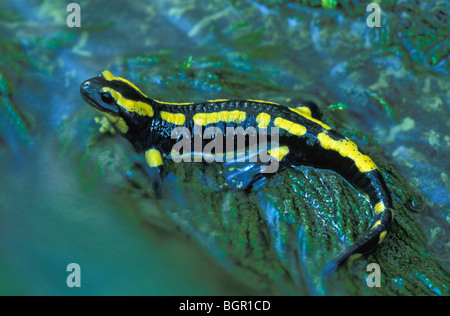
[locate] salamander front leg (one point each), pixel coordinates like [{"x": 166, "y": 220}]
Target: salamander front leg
[{"x": 157, "y": 169}]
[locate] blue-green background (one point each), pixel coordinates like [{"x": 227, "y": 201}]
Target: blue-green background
[{"x": 63, "y": 201}]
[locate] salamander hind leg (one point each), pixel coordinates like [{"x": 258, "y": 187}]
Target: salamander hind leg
[{"x": 248, "y": 175}]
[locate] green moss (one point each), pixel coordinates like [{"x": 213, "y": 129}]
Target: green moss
[
  {"x": 329, "y": 4},
  {"x": 418, "y": 30},
  {"x": 337, "y": 107},
  {"x": 12, "y": 60},
  {"x": 213, "y": 75},
  {"x": 383, "y": 104}
]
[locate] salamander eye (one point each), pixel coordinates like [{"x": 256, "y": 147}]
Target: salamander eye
[{"x": 107, "y": 98}]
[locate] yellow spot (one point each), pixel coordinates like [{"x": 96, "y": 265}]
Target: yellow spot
[
  {"x": 378, "y": 223},
  {"x": 223, "y": 116},
  {"x": 382, "y": 237},
  {"x": 354, "y": 257},
  {"x": 307, "y": 114},
  {"x": 118, "y": 122},
  {"x": 138, "y": 107},
  {"x": 154, "y": 158},
  {"x": 379, "y": 208},
  {"x": 177, "y": 119},
  {"x": 279, "y": 153},
  {"x": 260, "y": 101},
  {"x": 109, "y": 76},
  {"x": 347, "y": 148},
  {"x": 263, "y": 120},
  {"x": 302, "y": 109},
  {"x": 172, "y": 103},
  {"x": 219, "y": 100},
  {"x": 293, "y": 128}
]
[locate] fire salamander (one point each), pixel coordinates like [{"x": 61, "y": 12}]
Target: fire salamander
[{"x": 303, "y": 139}]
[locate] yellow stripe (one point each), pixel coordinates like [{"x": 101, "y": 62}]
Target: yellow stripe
[
  {"x": 378, "y": 223},
  {"x": 382, "y": 237},
  {"x": 219, "y": 100},
  {"x": 172, "y": 103},
  {"x": 347, "y": 148},
  {"x": 260, "y": 101},
  {"x": 138, "y": 107},
  {"x": 293, "y": 128},
  {"x": 154, "y": 158},
  {"x": 109, "y": 76},
  {"x": 177, "y": 119},
  {"x": 223, "y": 116},
  {"x": 379, "y": 208},
  {"x": 279, "y": 153},
  {"x": 301, "y": 111},
  {"x": 263, "y": 120}
]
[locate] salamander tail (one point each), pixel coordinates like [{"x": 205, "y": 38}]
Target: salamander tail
[{"x": 379, "y": 229}]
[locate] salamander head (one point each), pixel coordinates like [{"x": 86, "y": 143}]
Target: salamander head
[{"x": 120, "y": 101}]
